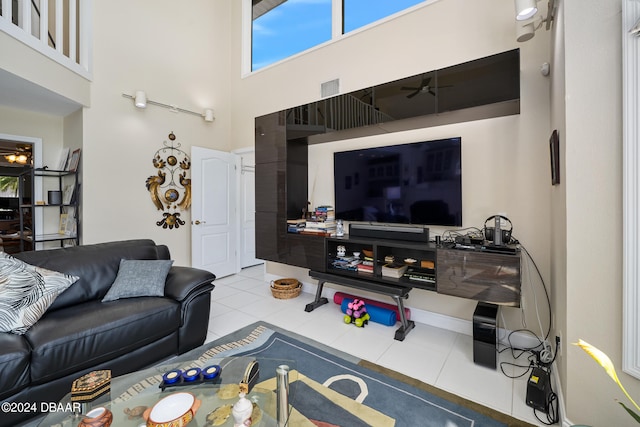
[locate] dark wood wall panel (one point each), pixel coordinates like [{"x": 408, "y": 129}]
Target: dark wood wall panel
[
  {"x": 271, "y": 138},
  {"x": 306, "y": 251},
  {"x": 271, "y": 237},
  {"x": 270, "y": 186}
]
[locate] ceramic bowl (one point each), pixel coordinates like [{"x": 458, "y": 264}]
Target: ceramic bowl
[
  {"x": 97, "y": 417},
  {"x": 175, "y": 410}
]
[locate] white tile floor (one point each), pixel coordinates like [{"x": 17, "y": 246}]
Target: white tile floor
[{"x": 436, "y": 356}]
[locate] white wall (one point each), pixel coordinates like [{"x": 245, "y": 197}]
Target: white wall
[
  {"x": 35, "y": 125},
  {"x": 179, "y": 55},
  {"x": 36, "y": 68},
  {"x": 592, "y": 114}
]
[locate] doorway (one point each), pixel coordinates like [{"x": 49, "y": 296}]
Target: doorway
[
  {"x": 223, "y": 210},
  {"x": 18, "y": 154}
]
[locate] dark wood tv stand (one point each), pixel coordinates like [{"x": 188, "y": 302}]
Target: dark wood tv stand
[
  {"x": 473, "y": 274},
  {"x": 376, "y": 250}
]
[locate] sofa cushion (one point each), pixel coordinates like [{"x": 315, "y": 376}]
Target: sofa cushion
[
  {"x": 96, "y": 265},
  {"x": 79, "y": 337},
  {"x": 26, "y": 292},
  {"x": 14, "y": 360},
  {"x": 139, "y": 278}
]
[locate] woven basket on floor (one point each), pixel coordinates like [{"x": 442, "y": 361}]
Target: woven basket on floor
[{"x": 286, "y": 288}]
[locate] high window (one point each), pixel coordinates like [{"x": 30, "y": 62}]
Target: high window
[
  {"x": 358, "y": 13},
  {"x": 283, "y": 28}
]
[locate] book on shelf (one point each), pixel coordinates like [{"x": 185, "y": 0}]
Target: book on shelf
[
  {"x": 321, "y": 225},
  {"x": 394, "y": 270},
  {"x": 419, "y": 276},
  {"x": 323, "y": 213},
  {"x": 297, "y": 221},
  {"x": 296, "y": 225},
  {"x": 312, "y": 232},
  {"x": 346, "y": 263},
  {"x": 364, "y": 268}
]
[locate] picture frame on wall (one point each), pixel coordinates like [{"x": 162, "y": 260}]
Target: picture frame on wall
[
  {"x": 554, "y": 153},
  {"x": 74, "y": 161}
]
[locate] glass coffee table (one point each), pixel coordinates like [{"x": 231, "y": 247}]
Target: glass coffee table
[{"x": 132, "y": 393}]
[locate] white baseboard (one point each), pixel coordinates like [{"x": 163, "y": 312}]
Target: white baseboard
[{"x": 438, "y": 320}]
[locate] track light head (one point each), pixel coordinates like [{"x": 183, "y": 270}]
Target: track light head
[
  {"x": 141, "y": 99},
  {"x": 525, "y": 9}
]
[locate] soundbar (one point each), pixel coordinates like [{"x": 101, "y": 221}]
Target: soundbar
[{"x": 409, "y": 232}]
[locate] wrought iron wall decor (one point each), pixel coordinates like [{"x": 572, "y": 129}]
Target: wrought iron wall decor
[{"x": 170, "y": 188}]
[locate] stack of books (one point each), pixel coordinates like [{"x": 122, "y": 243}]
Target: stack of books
[
  {"x": 346, "y": 263},
  {"x": 322, "y": 221},
  {"x": 367, "y": 264},
  {"x": 395, "y": 270},
  {"x": 296, "y": 225},
  {"x": 365, "y": 267}
]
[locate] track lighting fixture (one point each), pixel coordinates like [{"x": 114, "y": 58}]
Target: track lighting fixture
[
  {"x": 140, "y": 100},
  {"x": 525, "y": 9},
  {"x": 526, "y": 30}
]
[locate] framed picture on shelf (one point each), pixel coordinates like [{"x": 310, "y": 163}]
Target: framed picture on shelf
[
  {"x": 62, "y": 228},
  {"x": 67, "y": 225},
  {"x": 74, "y": 161},
  {"x": 64, "y": 156},
  {"x": 67, "y": 194}
]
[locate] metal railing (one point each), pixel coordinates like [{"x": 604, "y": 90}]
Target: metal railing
[
  {"x": 337, "y": 113},
  {"x": 61, "y": 32}
]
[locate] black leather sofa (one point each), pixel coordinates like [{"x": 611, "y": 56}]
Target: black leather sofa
[{"x": 79, "y": 333}]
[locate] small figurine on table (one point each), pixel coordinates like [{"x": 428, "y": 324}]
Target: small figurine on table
[
  {"x": 242, "y": 411},
  {"x": 357, "y": 313}
]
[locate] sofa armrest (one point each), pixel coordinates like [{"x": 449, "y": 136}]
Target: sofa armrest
[{"x": 186, "y": 282}]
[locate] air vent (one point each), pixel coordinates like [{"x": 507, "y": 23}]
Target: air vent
[{"x": 330, "y": 88}]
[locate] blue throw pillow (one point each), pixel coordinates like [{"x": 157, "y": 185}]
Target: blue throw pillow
[{"x": 139, "y": 278}]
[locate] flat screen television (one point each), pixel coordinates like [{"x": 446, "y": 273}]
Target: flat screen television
[{"x": 416, "y": 183}]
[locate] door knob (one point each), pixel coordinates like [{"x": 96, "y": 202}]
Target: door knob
[{"x": 197, "y": 222}]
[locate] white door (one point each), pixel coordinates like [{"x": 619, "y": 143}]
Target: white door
[
  {"x": 213, "y": 217},
  {"x": 247, "y": 194}
]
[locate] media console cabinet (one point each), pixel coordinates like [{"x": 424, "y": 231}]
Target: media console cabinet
[{"x": 480, "y": 275}]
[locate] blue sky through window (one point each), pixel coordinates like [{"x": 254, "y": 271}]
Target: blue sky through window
[
  {"x": 358, "y": 13},
  {"x": 290, "y": 28},
  {"x": 297, "y": 25}
]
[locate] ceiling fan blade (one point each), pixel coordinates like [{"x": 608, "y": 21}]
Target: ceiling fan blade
[
  {"x": 409, "y": 88},
  {"x": 411, "y": 95}
]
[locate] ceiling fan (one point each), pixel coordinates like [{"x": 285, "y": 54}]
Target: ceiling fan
[
  {"x": 423, "y": 88},
  {"x": 19, "y": 154}
]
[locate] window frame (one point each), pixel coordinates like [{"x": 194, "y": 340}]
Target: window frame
[
  {"x": 336, "y": 32},
  {"x": 631, "y": 190}
]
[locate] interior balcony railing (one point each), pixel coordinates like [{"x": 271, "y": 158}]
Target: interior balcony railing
[
  {"x": 333, "y": 114},
  {"x": 58, "y": 29}
]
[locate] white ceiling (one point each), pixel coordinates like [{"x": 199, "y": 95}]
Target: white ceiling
[{"x": 19, "y": 93}]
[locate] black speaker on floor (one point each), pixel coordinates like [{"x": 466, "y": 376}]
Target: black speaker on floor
[{"x": 485, "y": 335}]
